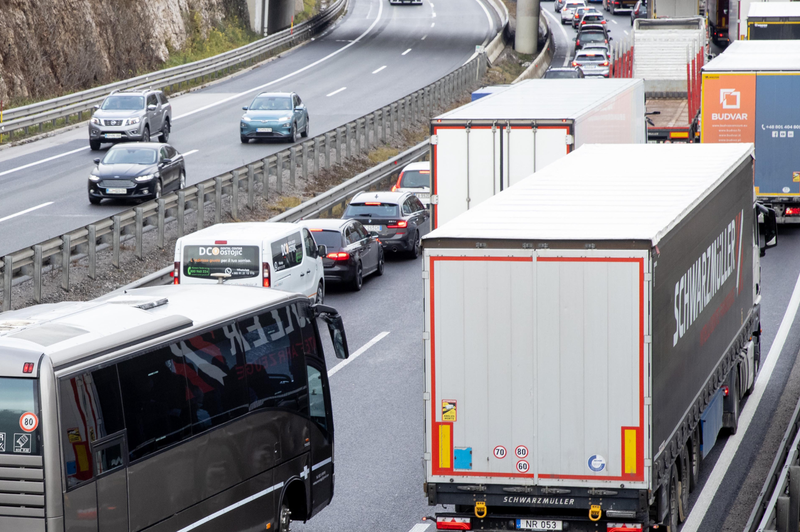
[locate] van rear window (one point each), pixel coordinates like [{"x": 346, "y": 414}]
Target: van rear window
[
  {"x": 237, "y": 261},
  {"x": 19, "y": 433}
]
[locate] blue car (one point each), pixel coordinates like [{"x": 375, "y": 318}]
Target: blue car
[{"x": 274, "y": 115}]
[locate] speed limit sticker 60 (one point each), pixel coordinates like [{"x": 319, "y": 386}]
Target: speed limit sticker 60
[
  {"x": 523, "y": 466},
  {"x": 28, "y": 422}
]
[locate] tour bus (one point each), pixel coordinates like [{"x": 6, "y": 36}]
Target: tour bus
[{"x": 170, "y": 408}]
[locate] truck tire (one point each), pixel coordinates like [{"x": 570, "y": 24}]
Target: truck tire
[
  {"x": 731, "y": 418},
  {"x": 756, "y": 362},
  {"x": 672, "y": 509},
  {"x": 284, "y": 518},
  {"x": 683, "y": 484},
  {"x": 694, "y": 459}
]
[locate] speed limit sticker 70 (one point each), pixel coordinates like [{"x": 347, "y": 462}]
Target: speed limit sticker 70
[
  {"x": 28, "y": 422},
  {"x": 500, "y": 452},
  {"x": 523, "y": 466}
]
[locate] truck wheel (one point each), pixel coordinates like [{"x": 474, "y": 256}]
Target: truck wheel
[
  {"x": 694, "y": 459},
  {"x": 683, "y": 484},
  {"x": 733, "y": 393},
  {"x": 756, "y": 362},
  {"x": 672, "y": 513},
  {"x": 285, "y": 518}
]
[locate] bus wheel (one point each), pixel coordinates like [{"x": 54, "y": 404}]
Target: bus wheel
[{"x": 285, "y": 518}]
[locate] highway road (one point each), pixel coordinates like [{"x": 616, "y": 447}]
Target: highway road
[{"x": 376, "y": 54}]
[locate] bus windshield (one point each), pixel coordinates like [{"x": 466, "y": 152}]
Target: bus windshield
[{"x": 18, "y": 398}]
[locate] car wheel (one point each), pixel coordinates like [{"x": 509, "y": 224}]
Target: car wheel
[
  {"x": 293, "y": 137},
  {"x": 94, "y": 201},
  {"x": 381, "y": 262},
  {"x": 358, "y": 279},
  {"x": 631, "y": 21},
  {"x": 320, "y": 297},
  {"x": 182, "y": 181},
  {"x": 164, "y": 136},
  {"x": 672, "y": 513},
  {"x": 284, "y": 518},
  {"x": 305, "y": 129},
  {"x": 94, "y": 145},
  {"x": 244, "y": 139},
  {"x": 157, "y": 194},
  {"x": 413, "y": 253},
  {"x": 146, "y": 134}
]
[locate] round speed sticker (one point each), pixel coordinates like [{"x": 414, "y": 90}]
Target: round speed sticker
[{"x": 28, "y": 422}]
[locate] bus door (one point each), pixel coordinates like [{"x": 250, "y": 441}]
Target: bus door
[
  {"x": 321, "y": 434},
  {"x": 111, "y": 464}
]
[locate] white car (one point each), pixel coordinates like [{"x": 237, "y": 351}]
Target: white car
[
  {"x": 568, "y": 11},
  {"x": 416, "y": 178}
]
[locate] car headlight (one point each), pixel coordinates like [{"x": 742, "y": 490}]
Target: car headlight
[
  {"x": 246, "y": 118},
  {"x": 145, "y": 178},
  {"x": 96, "y": 121},
  {"x": 284, "y": 119},
  {"x": 132, "y": 121},
  {"x": 93, "y": 178}
]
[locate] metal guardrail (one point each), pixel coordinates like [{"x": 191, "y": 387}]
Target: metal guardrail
[
  {"x": 224, "y": 191},
  {"x": 75, "y": 105},
  {"x": 778, "y": 506}
]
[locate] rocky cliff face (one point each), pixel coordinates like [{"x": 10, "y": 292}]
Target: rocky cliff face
[{"x": 50, "y": 47}]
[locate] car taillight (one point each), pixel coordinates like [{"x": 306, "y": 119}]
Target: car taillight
[
  {"x": 576, "y": 64},
  {"x": 27, "y": 367},
  {"x": 340, "y": 255},
  {"x": 176, "y": 274},
  {"x": 792, "y": 211},
  {"x": 453, "y": 523},
  {"x": 577, "y": 43},
  {"x": 265, "y": 281},
  {"x": 400, "y": 224},
  {"x": 605, "y": 63}
]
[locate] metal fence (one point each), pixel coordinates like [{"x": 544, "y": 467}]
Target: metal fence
[
  {"x": 73, "y": 106},
  {"x": 239, "y": 188}
]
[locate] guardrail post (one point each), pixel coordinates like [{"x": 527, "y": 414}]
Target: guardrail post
[
  {"x": 384, "y": 126},
  {"x": 235, "y": 195},
  {"x": 304, "y": 159},
  {"x": 317, "y": 144},
  {"x": 217, "y": 198},
  {"x": 92, "y": 241},
  {"x": 279, "y": 172},
  {"x": 181, "y": 212},
  {"x": 358, "y": 127},
  {"x": 37, "y": 273},
  {"x": 115, "y": 241},
  {"x": 201, "y": 205},
  {"x": 8, "y": 277},
  {"x": 265, "y": 176},
  {"x": 328, "y": 150},
  {"x": 391, "y": 120},
  {"x": 139, "y": 230},
  {"x": 292, "y": 165},
  {"x": 337, "y": 145},
  {"x": 160, "y": 223},
  {"x": 348, "y": 151},
  {"x": 66, "y": 248},
  {"x": 251, "y": 189}
]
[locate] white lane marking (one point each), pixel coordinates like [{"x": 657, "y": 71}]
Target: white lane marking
[
  {"x": 381, "y": 68},
  {"x": 291, "y": 74},
  {"x": 564, "y": 32},
  {"x": 423, "y": 37},
  {"x": 42, "y": 161},
  {"x": 714, "y": 481},
  {"x": 432, "y": 4},
  {"x": 233, "y": 506},
  {"x": 420, "y": 527},
  {"x": 190, "y": 152},
  {"x": 433, "y": 24},
  {"x": 337, "y": 91},
  {"x": 614, "y": 21},
  {"x": 343, "y": 363},
  {"x": 625, "y": 32},
  {"x": 26, "y": 211},
  {"x": 433, "y": 15},
  {"x": 404, "y": 53}
]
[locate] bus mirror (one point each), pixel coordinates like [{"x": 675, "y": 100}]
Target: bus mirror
[{"x": 338, "y": 338}]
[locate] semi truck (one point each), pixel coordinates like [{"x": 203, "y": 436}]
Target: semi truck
[
  {"x": 718, "y": 19},
  {"x": 744, "y": 100},
  {"x": 668, "y": 55},
  {"x": 773, "y": 20},
  {"x": 488, "y": 145},
  {"x": 587, "y": 334}
]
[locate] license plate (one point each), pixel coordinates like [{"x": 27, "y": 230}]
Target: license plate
[
  {"x": 115, "y": 191},
  {"x": 423, "y": 195},
  {"x": 113, "y": 135},
  {"x": 538, "y": 524},
  {"x": 376, "y": 228},
  {"x": 264, "y": 130}
]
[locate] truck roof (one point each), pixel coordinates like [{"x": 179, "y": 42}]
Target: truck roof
[
  {"x": 774, "y": 9},
  {"x": 757, "y": 56},
  {"x": 533, "y": 100},
  {"x": 71, "y": 331},
  {"x": 603, "y": 192}
]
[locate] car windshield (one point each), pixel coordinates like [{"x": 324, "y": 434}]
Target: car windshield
[
  {"x": 375, "y": 210},
  {"x": 271, "y": 103},
  {"x": 328, "y": 238},
  {"x": 123, "y": 103},
  {"x": 561, "y": 74},
  {"x": 130, "y": 156},
  {"x": 416, "y": 179}
]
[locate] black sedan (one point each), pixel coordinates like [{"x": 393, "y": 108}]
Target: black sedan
[
  {"x": 399, "y": 218},
  {"x": 144, "y": 170},
  {"x": 352, "y": 252}
]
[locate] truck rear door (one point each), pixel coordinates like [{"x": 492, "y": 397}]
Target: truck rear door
[{"x": 541, "y": 378}]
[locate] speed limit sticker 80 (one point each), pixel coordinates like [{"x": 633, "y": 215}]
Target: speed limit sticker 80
[{"x": 28, "y": 422}]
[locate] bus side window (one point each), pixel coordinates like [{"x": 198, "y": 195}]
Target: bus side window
[
  {"x": 156, "y": 398},
  {"x": 90, "y": 409},
  {"x": 273, "y": 349}
]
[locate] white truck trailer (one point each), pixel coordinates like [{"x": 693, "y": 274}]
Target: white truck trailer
[
  {"x": 588, "y": 333},
  {"x": 488, "y": 145}
]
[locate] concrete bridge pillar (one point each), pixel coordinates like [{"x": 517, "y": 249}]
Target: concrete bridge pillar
[
  {"x": 527, "y": 35},
  {"x": 259, "y": 13}
]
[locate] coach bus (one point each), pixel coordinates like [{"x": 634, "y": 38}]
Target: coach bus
[{"x": 174, "y": 408}]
